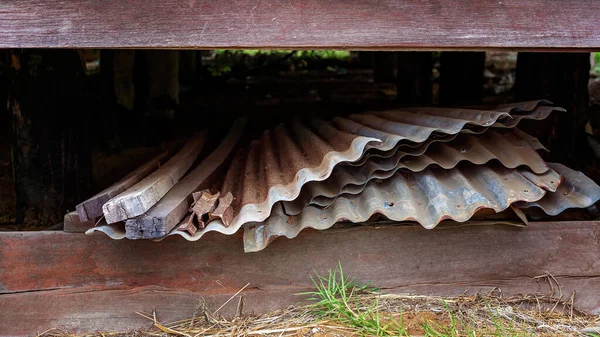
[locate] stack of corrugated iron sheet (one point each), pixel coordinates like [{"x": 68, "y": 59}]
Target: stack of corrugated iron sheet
[{"x": 424, "y": 165}]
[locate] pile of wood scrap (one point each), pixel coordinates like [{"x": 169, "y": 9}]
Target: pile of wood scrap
[
  {"x": 154, "y": 198},
  {"x": 425, "y": 165}
]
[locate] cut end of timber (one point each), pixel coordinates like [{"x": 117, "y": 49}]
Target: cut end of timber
[
  {"x": 82, "y": 213},
  {"x": 145, "y": 228}
]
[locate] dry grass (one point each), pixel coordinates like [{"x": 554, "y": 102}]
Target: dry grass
[
  {"x": 489, "y": 315},
  {"x": 395, "y": 315}
]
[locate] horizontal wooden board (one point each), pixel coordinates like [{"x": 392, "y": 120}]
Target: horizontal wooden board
[
  {"x": 302, "y": 24},
  {"x": 91, "y": 283}
]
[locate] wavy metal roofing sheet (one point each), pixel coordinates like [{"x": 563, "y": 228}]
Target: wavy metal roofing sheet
[
  {"x": 506, "y": 146},
  {"x": 427, "y": 197},
  {"x": 278, "y": 164},
  {"x": 576, "y": 191}
]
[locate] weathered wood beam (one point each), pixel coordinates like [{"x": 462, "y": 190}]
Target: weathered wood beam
[
  {"x": 384, "y": 67},
  {"x": 65, "y": 268},
  {"x": 92, "y": 207},
  {"x": 414, "y": 78},
  {"x": 354, "y": 24},
  {"x": 159, "y": 220},
  {"x": 147, "y": 192}
]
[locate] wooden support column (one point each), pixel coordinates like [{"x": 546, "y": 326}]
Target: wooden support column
[
  {"x": 414, "y": 77},
  {"x": 563, "y": 79},
  {"x": 384, "y": 66},
  {"x": 461, "y": 78},
  {"x": 365, "y": 59},
  {"x": 51, "y": 162}
]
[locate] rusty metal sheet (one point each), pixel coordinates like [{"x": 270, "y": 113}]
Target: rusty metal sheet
[
  {"x": 505, "y": 146},
  {"x": 282, "y": 161},
  {"x": 414, "y": 148},
  {"x": 427, "y": 197},
  {"x": 576, "y": 191},
  {"x": 276, "y": 166}
]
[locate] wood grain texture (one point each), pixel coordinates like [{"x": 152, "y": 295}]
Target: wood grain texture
[
  {"x": 298, "y": 24},
  {"x": 147, "y": 192},
  {"x": 92, "y": 207},
  {"x": 41, "y": 266},
  {"x": 73, "y": 224},
  {"x": 159, "y": 220}
]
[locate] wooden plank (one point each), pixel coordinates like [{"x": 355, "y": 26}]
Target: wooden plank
[
  {"x": 166, "y": 214},
  {"x": 414, "y": 80},
  {"x": 73, "y": 224},
  {"x": 147, "y": 192},
  {"x": 445, "y": 260},
  {"x": 92, "y": 207},
  {"x": 92, "y": 309},
  {"x": 301, "y": 24}
]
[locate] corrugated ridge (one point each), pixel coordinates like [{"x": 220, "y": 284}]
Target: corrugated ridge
[
  {"x": 576, "y": 191},
  {"x": 251, "y": 210},
  {"x": 505, "y": 146},
  {"x": 427, "y": 197}
]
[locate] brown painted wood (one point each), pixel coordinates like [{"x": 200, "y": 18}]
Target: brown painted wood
[
  {"x": 92, "y": 208},
  {"x": 370, "y": 24},
  {"x": 43, "y": 266},
  {"x": 147, "y": 192},
  {"x": 159, "y": 220}
]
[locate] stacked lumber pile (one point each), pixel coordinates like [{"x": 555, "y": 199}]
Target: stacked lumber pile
[{"x": 425, "y": 165}]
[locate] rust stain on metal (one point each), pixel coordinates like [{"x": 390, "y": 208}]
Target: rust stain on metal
[
  {"x": 427, "y": 197},
  {"x": 188, "y": 225},
  {"x": 505, "y": 146},
  {"x": 224, "y": 210},
  {"x": 276, "y": 166},
  {"x": 576, "y": 191}
]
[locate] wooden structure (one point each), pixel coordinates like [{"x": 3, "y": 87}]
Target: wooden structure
[{"x": 68, "y": 280}]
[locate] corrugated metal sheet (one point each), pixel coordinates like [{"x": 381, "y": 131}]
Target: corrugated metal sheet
[
  {"x": 576, "y": 191},
  {"x": 505, "y": 146},
  {"x": 277, "y": 165},
  {"x": 427, "y": 197}
]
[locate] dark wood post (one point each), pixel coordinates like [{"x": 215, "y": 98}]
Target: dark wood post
[
  {"x": 461, "y": 78},
  {"x": 563, "y": 79},
  {"x": 414, "y": 78},
  {"x": 384, "y": 66},
  {"x": 51, "y": 161}
]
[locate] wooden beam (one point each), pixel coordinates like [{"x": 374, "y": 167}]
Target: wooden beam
[
  {"x": 95, "y": 274},
  {"x": 147, "y": 192},
  {"x": 414, "y": 79},
  {"x": 159, "y": 220},
  {"x": 342, "y": 24},
  {"x": 92, "y": 208},
  {"x": 73, "y": 224}
]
